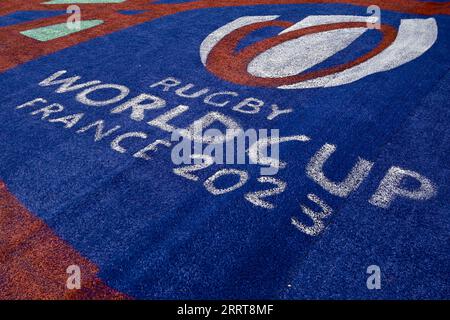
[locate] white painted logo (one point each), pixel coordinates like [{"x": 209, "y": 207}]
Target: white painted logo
[{"x": 286, "y": 60}]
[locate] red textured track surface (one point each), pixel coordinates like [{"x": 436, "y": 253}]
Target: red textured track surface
[{"x": 33, "y": 260}]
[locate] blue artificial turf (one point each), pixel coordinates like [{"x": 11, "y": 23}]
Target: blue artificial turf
[{"x": 154, "y": 234}]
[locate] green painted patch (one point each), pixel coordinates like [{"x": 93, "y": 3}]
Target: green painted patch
[
  {"x": 82, "y": 1},
  {"x": 58, "y": 30}
]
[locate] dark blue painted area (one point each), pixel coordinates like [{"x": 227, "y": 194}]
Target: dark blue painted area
[
  {"x": 132, "y": 12},
  {"x": 257, "y": 36},
  {"x": 409, "y": 242},
  {"x": 25, "y": 16},
  {"x": 157, "y": 235}
]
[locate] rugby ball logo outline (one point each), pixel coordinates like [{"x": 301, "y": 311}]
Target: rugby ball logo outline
[{"x": 282, "y": 61}]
